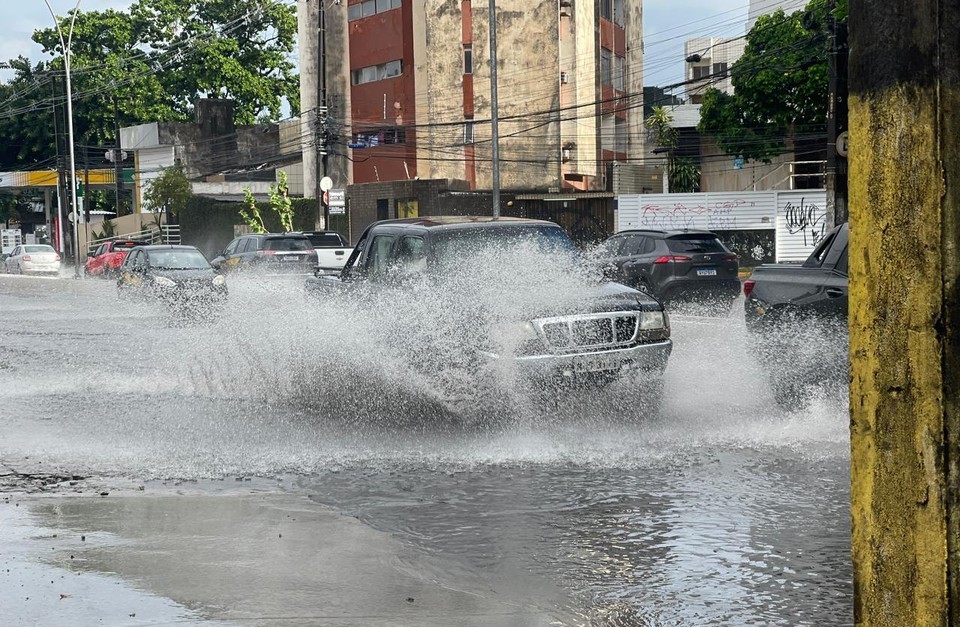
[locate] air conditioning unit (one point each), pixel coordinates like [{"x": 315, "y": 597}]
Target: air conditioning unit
[{"x": 564, "y": 78}]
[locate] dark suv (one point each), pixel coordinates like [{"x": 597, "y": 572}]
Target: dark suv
[
  {"x": 284, "y": 252},
  {"x": 673, "y": 265}
]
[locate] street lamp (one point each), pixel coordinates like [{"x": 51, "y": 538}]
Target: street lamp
[{"x": 65, "y": 46}]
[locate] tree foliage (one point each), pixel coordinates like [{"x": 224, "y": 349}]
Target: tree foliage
[
  {"x": 169, "y": 192},
  {"x": 156, "y": 59},
  {"x": 780, "y": 85},
  {"x": 683, "y": 174}
]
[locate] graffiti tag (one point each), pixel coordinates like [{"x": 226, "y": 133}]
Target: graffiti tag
[{"x": 805, "y": 219}]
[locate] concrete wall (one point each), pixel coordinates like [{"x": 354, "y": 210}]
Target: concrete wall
[{"x": 718, "y": 174}]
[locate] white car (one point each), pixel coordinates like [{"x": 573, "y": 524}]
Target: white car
[{"x": 32, "y": 259}]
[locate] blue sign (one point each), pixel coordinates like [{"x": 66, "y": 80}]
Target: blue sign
[{"x": 738, "y": 163}]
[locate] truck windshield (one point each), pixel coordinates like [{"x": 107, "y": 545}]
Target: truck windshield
[{"x": 454, "y": 247}]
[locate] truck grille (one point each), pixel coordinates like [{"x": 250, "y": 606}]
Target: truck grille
[{"x": 598, "y": 331}]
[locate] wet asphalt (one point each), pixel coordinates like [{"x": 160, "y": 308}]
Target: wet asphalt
[{"x": 207, "y": 438}]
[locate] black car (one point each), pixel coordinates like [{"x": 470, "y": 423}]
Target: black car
[
  {"x": 797, "y": 318},
  {"x": 673, "y": 265},
  {"x": 268, "y": 252},
  {"x": 179, "y": 275}
]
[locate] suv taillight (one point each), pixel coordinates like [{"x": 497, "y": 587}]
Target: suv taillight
[
  {"x": 731, "y": 257},
  {"x": 748, "y": 288},
  {"x": 267, "y": 252},
  {"x": 26, "y": 257},
  {"x": 672, "y": 258}
]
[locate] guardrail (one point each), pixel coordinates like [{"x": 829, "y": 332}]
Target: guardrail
[{"x": 166, "y": 234}]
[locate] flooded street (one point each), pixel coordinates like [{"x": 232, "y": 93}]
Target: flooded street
[{"x": 585, "y": 510}]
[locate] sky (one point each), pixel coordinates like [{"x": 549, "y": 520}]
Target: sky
[{"x": 667, "y": 24}]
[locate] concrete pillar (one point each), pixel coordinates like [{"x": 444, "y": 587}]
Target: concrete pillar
[
  {"x": 905, "y": 310},
  {"x": 308, "y": 43}
]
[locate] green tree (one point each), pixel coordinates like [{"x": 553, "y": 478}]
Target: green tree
[
  {"x": 280, "y": 202},
  {"x": 780, "y": 85},
  {"x": 683, "y": 174},
  {"x": 170, "y": 192},
  {"x": 250, "y": 213},
  {"x": 156, "y": 59}
]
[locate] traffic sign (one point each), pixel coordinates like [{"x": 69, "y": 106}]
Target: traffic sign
[
  {"x": 337, "y": 198},
  {"x": 326, "y": 184}
]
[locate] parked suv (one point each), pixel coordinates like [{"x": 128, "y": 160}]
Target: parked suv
[
  {"x": 281, "y": 252},
  {"x": 673, "y": 265}
]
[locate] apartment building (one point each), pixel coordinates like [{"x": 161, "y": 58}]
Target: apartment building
[
  {"x": 708, "y": 61},
  {"x": 418, "y": 75}
]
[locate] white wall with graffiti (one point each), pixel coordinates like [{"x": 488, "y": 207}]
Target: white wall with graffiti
[{"x": 797, "y": 218}]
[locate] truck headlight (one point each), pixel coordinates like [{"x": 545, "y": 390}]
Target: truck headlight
[
  {"x": 162, "y": 281},
  {"x": 652, "y": 320},
  {"x": 219, "y": 280}
]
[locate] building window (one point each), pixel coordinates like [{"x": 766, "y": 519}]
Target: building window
[
  {"x": 618, "y": 73},
  {"x": 606, "y": 71},
  {"x": 701, "y": 72},
  {"x": 383, "y": 209},
  {"x": 606, "y": 9},
  {"x": 619, "y": 13},
  {"x": 371, "y": 138},
  {"x": 468, "y": 132},
  {"x": 468, "y": 58},
  {"x": 370, "y": 7},
  {"x": 377, "y": 72},
  {"x": 720, "y": 69}
]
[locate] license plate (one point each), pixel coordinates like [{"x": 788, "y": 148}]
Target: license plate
[
  {"x": 290, "y": 259},
  {"x": 707, "y": 272}
]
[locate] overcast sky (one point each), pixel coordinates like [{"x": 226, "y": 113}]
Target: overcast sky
[{"x": 667, "y": 23}]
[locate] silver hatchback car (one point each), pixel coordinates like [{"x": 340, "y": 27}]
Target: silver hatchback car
[{"x": 32, "y": 259}]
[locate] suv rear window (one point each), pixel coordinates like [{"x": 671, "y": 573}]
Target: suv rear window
[
  {"x": 287, "y": 243},
  {"x": 327, "y": 240},
  {"x": 695, "y": 245}
]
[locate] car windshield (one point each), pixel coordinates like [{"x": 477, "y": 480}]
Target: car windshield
[
  {"x": 284, "y": 244},
  {"x": 327, "y": 240},
  {"x": 698, "y": 244},
  {"x": 38, "y": 249},
  {"x": 178, "y": 260}
]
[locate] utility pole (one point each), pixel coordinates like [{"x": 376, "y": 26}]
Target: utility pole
[
  {"x": 65, "y": 46},
  {"x": 494, "y": 110},
  {"x": 118, "y": 157},
  {"x": 321, "y": 125},
  {"x": 308, "y": 24},
  {"x": 60, "y": 198},
  {"x": 837, "y": 115},
  {"x": 905, "y": 312}
]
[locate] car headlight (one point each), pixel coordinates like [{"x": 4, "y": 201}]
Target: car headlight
[
  {"x": 219, "y": 280},
  {"x": 653, "y": 320},
  {"x": 163, "y": 281}
]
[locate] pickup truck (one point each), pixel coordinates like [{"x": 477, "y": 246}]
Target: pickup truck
[
  {"x": 797, "y": 315},
  {"x": 332, "y": 249},
  {"x": 496, "y": 295}
]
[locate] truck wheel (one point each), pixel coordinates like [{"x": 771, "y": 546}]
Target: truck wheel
[{"x": 788, "y": 391}]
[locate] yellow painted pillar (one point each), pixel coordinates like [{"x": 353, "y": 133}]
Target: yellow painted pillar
[{"x": 904, "y": 306}]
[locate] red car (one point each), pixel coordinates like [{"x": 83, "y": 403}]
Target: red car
[{"x": 108, "y": 258}]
